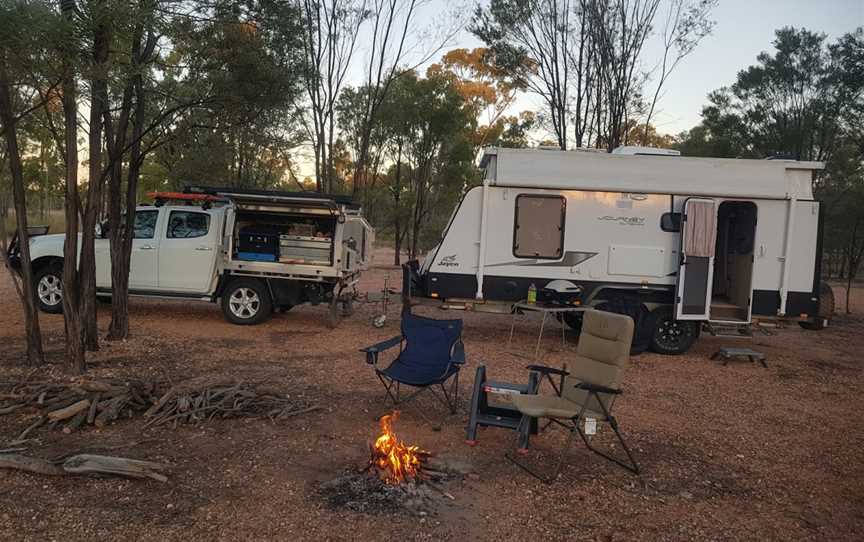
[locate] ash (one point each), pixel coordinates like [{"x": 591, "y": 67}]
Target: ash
[{"x": 365, "y": 492}]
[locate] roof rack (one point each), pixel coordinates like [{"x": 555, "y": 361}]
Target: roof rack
[{"x": 217, "y": 190}]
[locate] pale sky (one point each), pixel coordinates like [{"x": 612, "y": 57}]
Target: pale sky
[{"x": 744, "y": 29}]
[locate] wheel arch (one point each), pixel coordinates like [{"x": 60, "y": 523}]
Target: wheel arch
[{"x": 44, "y": 261}]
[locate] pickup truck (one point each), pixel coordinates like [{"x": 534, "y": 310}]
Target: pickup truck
[{"x": 252, "y": 251}]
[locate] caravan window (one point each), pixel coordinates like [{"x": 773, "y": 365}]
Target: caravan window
[{"x": 539, "y": 228}]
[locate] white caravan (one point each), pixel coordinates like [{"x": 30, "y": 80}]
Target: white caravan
[{"x": 694, "y": 240}]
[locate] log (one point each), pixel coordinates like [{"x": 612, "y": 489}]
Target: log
[
  {"x": 91, "y": 414},
  {"x": 29, "y": 464},
  {"x": 10, "y": 409},
  {"x": 101, "y": 464},
  {"x": 69, "y": 411}
]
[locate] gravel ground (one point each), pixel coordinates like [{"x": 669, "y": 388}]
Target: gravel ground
[{"x": 728, "y": 453}]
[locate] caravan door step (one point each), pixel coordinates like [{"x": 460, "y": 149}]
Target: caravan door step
[{"x": 730, "y": 330}]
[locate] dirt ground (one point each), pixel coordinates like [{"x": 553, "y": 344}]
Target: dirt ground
[{"x": 728, "y": 453}]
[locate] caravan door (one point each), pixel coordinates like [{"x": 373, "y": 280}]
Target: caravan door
[{"x": 695, "y": 274}]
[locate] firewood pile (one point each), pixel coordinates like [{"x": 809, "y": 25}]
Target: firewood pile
[
  {"x": 202, "y": 400},
  {"x": 69, "y": 406},
  {"x": 83, "y": 402}
]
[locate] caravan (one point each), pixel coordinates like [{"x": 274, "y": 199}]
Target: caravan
[{"x": 694, "y": 240}]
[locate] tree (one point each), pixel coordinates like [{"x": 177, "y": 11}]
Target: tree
[
  {"x": 68, "y": 52},
  {"x": 330, "y": 35},
  {"x": 686, "y": 23},
  {"x": 585, "y": 58},
  {"x": 794, "y": 102},
  {"x": 485, "y": 88},
  {"x": 532, "y": 40},
  {"x": 390, "y": 21},
  {"x": 23, "y": 30}
]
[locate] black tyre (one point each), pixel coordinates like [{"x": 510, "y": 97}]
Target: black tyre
[
  {"x": 104, "y": 299},
  {"x": 573, "y": 321},
  {"x": 48, "y": 289},
  {"x": 246, "y": 302},
  {"x": 672, "y": 337},
  {"x": 826, "y": 309}
]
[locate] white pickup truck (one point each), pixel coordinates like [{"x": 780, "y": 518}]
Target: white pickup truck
[{"x": 253, "y": 251}]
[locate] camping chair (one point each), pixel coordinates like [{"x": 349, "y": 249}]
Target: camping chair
[
  {"x": 430, "y": 353},
  {"x": 588, "y": 389}
]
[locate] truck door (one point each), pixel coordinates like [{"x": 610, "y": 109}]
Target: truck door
[
  {"x": 698, "y": 236},
  {"x": 144, "y": 262},
  {"x": 188, "y": 251}
]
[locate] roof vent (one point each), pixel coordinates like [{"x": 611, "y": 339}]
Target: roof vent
[{"x": 633, "y": 151}]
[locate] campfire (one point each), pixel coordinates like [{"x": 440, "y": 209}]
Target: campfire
[
  {"x": 395, "y": 461},
  {"x": 398, "y": 477}
]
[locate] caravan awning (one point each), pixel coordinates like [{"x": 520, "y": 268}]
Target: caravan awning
[{"x": 676, "y": 175}]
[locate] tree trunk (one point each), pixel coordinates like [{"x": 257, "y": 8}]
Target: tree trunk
[
  {"x": 121, "y": 253},
  {"x": 98, "y": 102},
  {"x": 32, "y": 331},
  {"x": 71, "y": 300}
]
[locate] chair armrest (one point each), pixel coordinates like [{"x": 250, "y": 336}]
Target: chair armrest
[
  {"x": 547, "y": 370},
  {"x": 458, "y": 356},
  {"x": 597, "y": 389},
  {"x": 373, "y": 350}
]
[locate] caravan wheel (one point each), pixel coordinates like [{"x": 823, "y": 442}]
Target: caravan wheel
[{"x": 672, "y": 337}]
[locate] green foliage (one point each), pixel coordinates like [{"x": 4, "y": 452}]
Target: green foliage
[{"x": 795, "y": 102}]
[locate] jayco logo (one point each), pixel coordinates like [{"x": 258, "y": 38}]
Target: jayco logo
[
  {"x": 625, "y": 220},
  {"x": 449, "y": 261}
]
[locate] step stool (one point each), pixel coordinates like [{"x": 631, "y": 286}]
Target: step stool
[{"x": 729, "y": 353}]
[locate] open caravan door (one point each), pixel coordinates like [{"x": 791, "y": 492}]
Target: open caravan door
[{"x": 695, "y": 274}]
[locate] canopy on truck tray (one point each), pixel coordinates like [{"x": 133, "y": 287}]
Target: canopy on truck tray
[
  {"x": 677, "y": 175},
  {"x": 264, "y": 200}
]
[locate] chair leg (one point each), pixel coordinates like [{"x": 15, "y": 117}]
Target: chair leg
[
  {"x": 632, "y": 466},
  {"x": 558, "y": 464},
  {"x": 388, "y": 387}
]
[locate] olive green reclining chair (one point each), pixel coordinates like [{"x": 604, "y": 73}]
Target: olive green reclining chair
[{"x": 588, "y": 389}]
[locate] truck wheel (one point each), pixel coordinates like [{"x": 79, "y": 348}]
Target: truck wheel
[
  {"x": 671, "y": 336},
  {"x": 826, "y": 309},
  {"x": 48, "y": 287},
  {"x": 246, "y": 302}
]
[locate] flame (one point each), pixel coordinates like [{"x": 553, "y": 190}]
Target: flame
[{"x": 395, "y": 460}]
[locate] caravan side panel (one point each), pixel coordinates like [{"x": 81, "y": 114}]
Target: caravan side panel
[
  {"x": 768, "y": 263},
  {"x": 609, "y": 239}
]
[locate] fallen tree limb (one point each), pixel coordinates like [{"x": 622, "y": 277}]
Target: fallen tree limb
[
  {"x": 68, "y": 412},
  {"x": 86, "y": 464},
  {"x": 29, "y": 464}
]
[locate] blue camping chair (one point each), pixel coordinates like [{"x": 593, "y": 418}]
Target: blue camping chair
[{"x": 430, "y": 353}]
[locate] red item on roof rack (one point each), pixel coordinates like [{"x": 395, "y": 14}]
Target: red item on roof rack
[{"x": 182, "y": 197}]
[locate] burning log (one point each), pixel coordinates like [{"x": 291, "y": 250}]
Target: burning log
[{"x": 393, "y": 460}]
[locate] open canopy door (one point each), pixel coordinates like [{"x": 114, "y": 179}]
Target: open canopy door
[{"x": 698, "y": 235}]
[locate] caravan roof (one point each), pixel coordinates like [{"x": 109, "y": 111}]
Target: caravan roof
[{"x": 580, "y": 170}]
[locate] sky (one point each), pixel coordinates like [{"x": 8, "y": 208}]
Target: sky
[{"x": 744, "y": 29}]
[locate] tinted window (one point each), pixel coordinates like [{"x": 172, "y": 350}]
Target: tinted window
[
  {"x": 539, "y": 228},
  {"x": 187, "y": 225},
  {"x": 145, "y": 224},
  {"x": 670, "y": 222}
]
